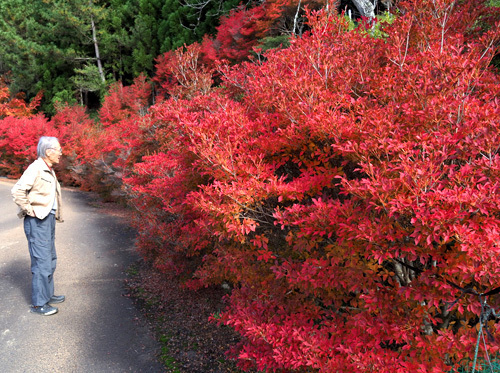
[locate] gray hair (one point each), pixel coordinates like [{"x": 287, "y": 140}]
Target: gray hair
[{"x": 45, "y": 143}]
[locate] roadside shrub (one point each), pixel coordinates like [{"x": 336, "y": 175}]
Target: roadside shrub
[
  {"x": 347, "y": 188},
  {"x": 18, "y": 141}
]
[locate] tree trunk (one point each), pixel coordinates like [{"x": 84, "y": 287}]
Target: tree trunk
[
  {"x": 388, "y": 4},
  {"x": 365, "y": 7},
  {"x": 295, "y": 20},
  {"x": 96, "y": 46}
]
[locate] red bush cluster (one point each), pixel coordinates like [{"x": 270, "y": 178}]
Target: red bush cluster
[
  {"x": 16, "y": 106},
  {"x": 97, "y": 156},
  {"x": 19, "y": 131},
  {"x": 343, "y": 187},
  {"x": 18, "y": 141}
]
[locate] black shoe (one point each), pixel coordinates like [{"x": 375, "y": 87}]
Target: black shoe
[
  {"x": 45, "y": 310},
  {"x": 57, "y": 299}
]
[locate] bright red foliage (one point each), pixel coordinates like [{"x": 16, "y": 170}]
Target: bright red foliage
[
  {"x": 244, "y": 28},
  {"x": 96, "y": 156},
  {"x": 346, "y": 187},
  {"x": 18, "y": 141},
  {"x": 78, "y": 134},
  {"x": 19, "y": 138},
  {"x": 283, "y": 16},
  {"x": 182, "y": 74},
  {"x": 109, "y": 151},
  {"x": 19, "y": 131},
  {"x": 236, "y": 36},
  {"x": 16, "y": 107},
  {"x": 341, "y": 186}
]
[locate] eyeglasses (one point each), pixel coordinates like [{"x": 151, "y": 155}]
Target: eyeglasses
[{"x": 58, "y": 149}]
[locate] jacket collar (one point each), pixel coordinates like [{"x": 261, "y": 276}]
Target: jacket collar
[{"x": 44, "y": 165}]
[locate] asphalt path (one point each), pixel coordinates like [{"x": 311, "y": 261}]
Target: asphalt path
[{"x": 97, "y": 329}]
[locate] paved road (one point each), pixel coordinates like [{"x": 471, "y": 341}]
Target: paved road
[{"x": 97, "y": 329}]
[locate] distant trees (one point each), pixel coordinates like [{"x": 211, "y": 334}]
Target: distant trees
[
  {"x": 43, "y": 43},
  {"x": 69, "y": 49}
]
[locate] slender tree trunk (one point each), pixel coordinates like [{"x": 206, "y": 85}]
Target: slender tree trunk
[
  {"x": 96, "y": 46},
  {"x": 387, "y": 3},
  {"x": 365, "y": 7},
  {"x": 295, "y": 20}
]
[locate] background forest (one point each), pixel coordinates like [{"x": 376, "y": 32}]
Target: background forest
[{"x": 335, "y": 164}]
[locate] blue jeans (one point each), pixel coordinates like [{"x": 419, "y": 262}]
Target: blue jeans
[{"x": 41, "y": 237}]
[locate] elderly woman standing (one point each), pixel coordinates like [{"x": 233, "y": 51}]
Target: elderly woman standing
[{"x": 38, "y": 195}]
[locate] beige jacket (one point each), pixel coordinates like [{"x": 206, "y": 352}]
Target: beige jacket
[{"x": 34, "y": 192}]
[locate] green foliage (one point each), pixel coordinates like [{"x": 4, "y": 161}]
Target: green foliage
[
  {"x": 165, "y": 356},
  {"x": 376, "y": 30},
  {"x": 146, "y": 29},
  {"x": 482, "y": 366},
  {"x": 116, "y": 40},
  {"x": 144, "y": 37},
  {"x": 42, "y": 43},
  {"x": 63, "y": 96},
  {"x": 274, "y": 42},
  {"x": 87, "y": 79}
]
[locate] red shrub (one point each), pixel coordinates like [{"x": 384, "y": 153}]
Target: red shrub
[
  {"x": 17, "y": 106},
  {"x": 18, "y": 142},
  {"x": 342, "y": 190},
  {"x": 19, "y": 131},
  {"x": 108, "y": 150},
  {"x": 182, "y": 74},
  {"x": 236, "y": 36},
  {"x": 78, "y": 135}
]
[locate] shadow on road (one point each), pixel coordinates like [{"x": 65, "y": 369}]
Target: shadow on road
[
  {"x": 97, "y": 329},
  {"x": 17, "y": 273}
]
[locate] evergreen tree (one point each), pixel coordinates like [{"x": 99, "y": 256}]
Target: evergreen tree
[{"x": 42, "y": 43}]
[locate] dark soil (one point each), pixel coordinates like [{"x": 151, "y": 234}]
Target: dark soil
[{"x": 180, "y": 318}]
